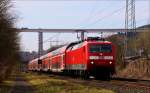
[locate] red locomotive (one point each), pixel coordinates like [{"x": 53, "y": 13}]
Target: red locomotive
[{"x": 91, "y": 57}]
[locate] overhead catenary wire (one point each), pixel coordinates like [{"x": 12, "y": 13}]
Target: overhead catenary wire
[
  {"x": 92, "y": 14},
  {"x": 47, "y": 40},
  {"x": 102, "y": 18}
]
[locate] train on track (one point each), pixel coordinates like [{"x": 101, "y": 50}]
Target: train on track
[{"x": 91, "y": 57}]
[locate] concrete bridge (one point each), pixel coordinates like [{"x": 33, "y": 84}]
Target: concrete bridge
[{"x": 82, "y": 30}]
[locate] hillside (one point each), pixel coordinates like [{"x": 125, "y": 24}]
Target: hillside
[
  {"x": 137, "y": 69},
  {"x": 140, "y": 46},
  {"x": 145, "y": 26}
]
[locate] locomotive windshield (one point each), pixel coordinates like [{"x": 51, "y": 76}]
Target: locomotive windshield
[{"x": 96, "y": 48}]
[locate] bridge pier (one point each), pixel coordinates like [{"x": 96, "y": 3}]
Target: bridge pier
[{"x": 40, "y": 44}]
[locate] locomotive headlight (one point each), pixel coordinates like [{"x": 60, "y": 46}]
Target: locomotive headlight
[
  {"x": 108, "y": 57},
  {"x": 94, "y": 57},
  {"x": 92, "y": 62},
  {"x": 110, "y": 62}
]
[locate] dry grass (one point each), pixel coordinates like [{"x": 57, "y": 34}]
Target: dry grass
[
  {"x": 138, "y": 69},
  {"x": 45, "y": 84},
  {"x": 7, "y": 85}
]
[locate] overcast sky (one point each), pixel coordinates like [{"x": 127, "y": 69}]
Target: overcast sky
[{"x": 71, "y": 14}]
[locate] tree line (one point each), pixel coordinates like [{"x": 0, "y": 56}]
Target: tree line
[{"x": 9, "y": 45}]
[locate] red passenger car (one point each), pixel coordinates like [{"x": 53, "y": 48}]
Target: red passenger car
[
  {"x": 57, "y": 60},
  {"x": 91, "y": 57},
  {"x": 33, "y": 65}
]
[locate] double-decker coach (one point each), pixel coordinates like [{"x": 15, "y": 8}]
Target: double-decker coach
[
  {"x": 57, "y": 60},
  {"x": 33, "y": 65},
  {"x": 91, "y": 57}
]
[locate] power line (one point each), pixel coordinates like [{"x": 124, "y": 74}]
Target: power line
[
  {"x": 92, "y": 14},
  {"x": 47, "y": 40},
  {"x": 106, "y": 16}
]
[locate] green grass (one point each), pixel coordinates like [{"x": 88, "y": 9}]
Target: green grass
[{"x": 45, "y": 84}]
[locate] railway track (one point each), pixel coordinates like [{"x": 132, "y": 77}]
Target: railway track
[
  {"x": 119, "y": 86},
  {"x": 134, "y": 81}
]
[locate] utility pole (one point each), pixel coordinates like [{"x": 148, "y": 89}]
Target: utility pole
[
  {"x": 149, "y": 14},
  {"x": 130, "y": 23}
]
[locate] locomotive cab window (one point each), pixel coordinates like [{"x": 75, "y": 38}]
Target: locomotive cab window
[{"x": 99, "y": 48}]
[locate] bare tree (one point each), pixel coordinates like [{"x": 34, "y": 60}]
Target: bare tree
[{"x": 8, "y": 40}]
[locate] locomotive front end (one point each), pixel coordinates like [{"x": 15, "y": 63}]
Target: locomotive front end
[{"x": 101, "y": 58}]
